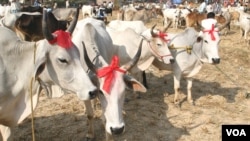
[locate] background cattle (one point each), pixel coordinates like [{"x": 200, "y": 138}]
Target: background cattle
[
  {"x": 28, "y": 24},
  {"x": 194, "y": 19},
  {"x": 172, "y": 15},
  {"x": 244, "y": 22},
  {"x": 131, "y": 14}
]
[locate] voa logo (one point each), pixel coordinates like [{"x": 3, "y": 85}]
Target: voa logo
[{"x": 236, "y": 132}]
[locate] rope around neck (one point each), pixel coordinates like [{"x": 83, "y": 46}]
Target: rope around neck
[
  {"x": 31, "y": 98},
  {"x": 32, "y": 111}
]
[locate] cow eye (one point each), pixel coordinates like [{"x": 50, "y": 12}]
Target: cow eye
[
  {"x": 205, "y": 41},
  {"x": 61, "y": 60},
  {"x": 159, "y": 45}
]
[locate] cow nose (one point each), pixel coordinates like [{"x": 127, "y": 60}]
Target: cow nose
[
  {"x": 117, "y": 131},
  {"x": 216, "y": 60},
  {"x": 93, "y": 94},
  {"x": 172, "y": 61}
]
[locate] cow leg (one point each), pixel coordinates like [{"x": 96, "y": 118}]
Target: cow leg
[
  {"x": 177, "y": 79},
  {"x": 109, "y": 137},
  {"x": 144, "y": 79},
  {"x": 6, "y": 133},
  {"x": 189, "y": 93},
  {"x": 90, "y": 115}
]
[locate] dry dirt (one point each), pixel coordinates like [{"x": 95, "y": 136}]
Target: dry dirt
[{"x": 218, "y": 92}]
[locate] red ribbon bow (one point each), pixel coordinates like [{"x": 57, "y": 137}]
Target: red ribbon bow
[
  {"x": 211, "y": 32},
  {"x": 108, "y": 73},
  {"x": 162, "y": 35},
  {"x": 63, "y": 39}
]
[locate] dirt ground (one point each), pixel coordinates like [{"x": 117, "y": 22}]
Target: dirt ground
[{"x": 219, "y": 94}]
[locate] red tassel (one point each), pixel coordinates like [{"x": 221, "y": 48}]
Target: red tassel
[
  {"x": 162, "y": 35},
  {"x": 211, "y": 32},
  {"x": 108, "y": 73},
  {"x": 63, "y": 39}
]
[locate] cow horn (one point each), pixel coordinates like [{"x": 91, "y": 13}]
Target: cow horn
[
  {"x": 73, "y": 22},
  {"x": 166, "y": 28},
  {"x": 47, "y": 34},
  {"x": 132, "y": 62},
  {"x": 152, "y": 31},
  {"x": 226, "y": 24},
  {"x": 90, "y": 65}
]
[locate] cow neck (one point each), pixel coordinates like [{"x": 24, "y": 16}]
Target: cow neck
[
  {"x": 153, "y": 50},
  {"x": 200, "y": 51},
  {"x": 188, "y": 48}
]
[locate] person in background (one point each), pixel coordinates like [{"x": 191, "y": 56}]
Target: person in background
[
  {"x": 14, "y": 6},
  {"x": 110, "y": 5},
  {"x": 67, "y": 3},
  {"x": 37, "y": 3},
  {"x": 211, "y": 15},
  {"x": 217, "y": 7},
  {"x": 202, "y": 7},
  {"x": 55, "y": 5},
  {"x": 101, "y": 13}
]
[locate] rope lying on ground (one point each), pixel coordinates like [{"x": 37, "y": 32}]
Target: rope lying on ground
[{"x": 247, "y": 94}]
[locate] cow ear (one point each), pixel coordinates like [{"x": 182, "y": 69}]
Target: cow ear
[
  {"x": 39, "y": 67},
  {"x": 199, "y": 38},
  {"x": 133, "y": 84},
  {"x": 40, "y": 60}
]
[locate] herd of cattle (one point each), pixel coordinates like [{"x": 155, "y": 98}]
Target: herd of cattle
[{"x": 61, "y": 53}]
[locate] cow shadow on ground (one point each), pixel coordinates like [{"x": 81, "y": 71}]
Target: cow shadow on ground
[
  {"x": 145, "y": 120},
  {"x": 60, "y": 127},
  {"x": 199, "y": 88}
]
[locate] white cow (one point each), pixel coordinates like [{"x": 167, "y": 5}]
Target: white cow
[
  {"x": 88, "y": 11},
  {"x": 24, "y": 66},
  {"x": 191, "y": 50},
  {"x": 244, "y": 22},
  {"x": 2, "y": 10},
  {"x": 172, "y": 15},
  {"x": 154, "y": 47},
  {"x": 100, "y": 50},
  {"x": 145, "y": 15},
  {"x": 118, "y": 25}
]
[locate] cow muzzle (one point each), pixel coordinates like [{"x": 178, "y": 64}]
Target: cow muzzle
[
  {"x": 216, "y": 60},
  {"x": 117, "y": 131}
]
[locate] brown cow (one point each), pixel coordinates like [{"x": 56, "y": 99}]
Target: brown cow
[{"x": 194, "y": 19}]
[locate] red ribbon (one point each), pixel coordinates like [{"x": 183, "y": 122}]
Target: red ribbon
[
  {"x": 108, "y": 73},
  {"x": 211, "y": 32},
  {"x": 162, "y": 35},
  {"x": 62, "y": 38}
]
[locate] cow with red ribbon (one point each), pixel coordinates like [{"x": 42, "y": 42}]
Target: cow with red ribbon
[
  {"x": 191, "y": 49},
  {"x": 97, "y": 50}
]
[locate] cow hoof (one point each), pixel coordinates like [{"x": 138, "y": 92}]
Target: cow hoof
[
  {"x": 89, "y": 139},
  {"x": 191, "y": 102},
  {"x": 176, "y": 102}
]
